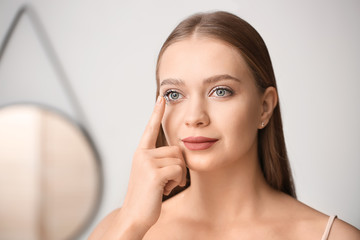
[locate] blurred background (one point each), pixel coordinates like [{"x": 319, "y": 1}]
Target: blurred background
[{"x": 107, "y": 51}]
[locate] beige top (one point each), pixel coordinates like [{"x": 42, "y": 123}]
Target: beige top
[{"x": 328, "y": 227}]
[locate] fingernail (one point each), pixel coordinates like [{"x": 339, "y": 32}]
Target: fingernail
[{"x": 158, "y": 100}]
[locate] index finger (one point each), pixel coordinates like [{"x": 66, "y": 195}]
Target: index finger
[{"x": 148, "y": 139}]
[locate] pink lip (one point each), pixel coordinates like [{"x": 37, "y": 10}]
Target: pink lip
[{"x": 199, "y": 143}]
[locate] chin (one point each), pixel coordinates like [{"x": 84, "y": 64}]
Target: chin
[{"x": 202, "y": 162}]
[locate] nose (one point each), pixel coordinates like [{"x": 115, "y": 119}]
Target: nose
[{"x": 196, "y": 114}]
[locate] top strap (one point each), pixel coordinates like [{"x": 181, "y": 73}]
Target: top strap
[{"x": 328, "y": 227}]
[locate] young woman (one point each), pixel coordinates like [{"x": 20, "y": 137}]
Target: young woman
[{"x": 217, "y": 122}]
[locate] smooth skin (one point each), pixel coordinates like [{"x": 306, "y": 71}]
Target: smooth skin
[{"x": 210, "y": 92}]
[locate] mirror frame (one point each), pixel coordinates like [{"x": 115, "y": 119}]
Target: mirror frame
[
  {"x": 81, "y": 122},
  {"x": 99, "y": 170}
]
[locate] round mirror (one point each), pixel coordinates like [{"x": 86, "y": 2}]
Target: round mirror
[{"x": 50, "y": 176}]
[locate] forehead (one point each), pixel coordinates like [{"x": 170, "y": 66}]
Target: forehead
[{"x": 200, "y": 58}]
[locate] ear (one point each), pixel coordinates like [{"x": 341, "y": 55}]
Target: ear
[{"x": 268, "y": 103}]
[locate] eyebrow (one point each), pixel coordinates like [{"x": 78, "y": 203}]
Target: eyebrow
[{"x": 212, "y": 79}]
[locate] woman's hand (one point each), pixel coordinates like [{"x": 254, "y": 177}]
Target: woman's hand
[{"x": 155, "y": 171}]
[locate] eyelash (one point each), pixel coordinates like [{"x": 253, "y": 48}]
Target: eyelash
[
  {"x": 228, "y": 90},
  {"x": 170, "y": 91}
]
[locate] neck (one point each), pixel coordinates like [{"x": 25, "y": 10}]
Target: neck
[{"x": 234, "y": 191}]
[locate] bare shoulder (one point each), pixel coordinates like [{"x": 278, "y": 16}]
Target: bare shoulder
[
  {"x": 285, "y": 204},
  {"x": 311, "y": 223},
  {"x": 296, "y": 219},
  {"x": 103, "y": 225},
  {"x": 343, "y": 230}
]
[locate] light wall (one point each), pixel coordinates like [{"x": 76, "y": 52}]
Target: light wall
[{"x": 109, "y": 48}]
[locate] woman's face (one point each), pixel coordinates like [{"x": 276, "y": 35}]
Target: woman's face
[{"x": 210, "y": 93}]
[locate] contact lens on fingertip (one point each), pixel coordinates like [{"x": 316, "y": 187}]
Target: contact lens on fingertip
[
  {"x": 158, "y": 100},
  {"x": 166, "y": 99}
]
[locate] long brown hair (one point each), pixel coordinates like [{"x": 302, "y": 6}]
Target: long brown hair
[{"x": 233, "y": 30}]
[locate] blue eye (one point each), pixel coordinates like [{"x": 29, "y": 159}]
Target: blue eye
[
  {"x": 221, "y": 92},
  {"x": 172, "y": 95}
]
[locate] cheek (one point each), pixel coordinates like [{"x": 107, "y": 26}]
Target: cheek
[
  {"x": 240, "y": 113},
  {"x": 238, "y": 123},
  {"x": 171, "y": 122}
]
